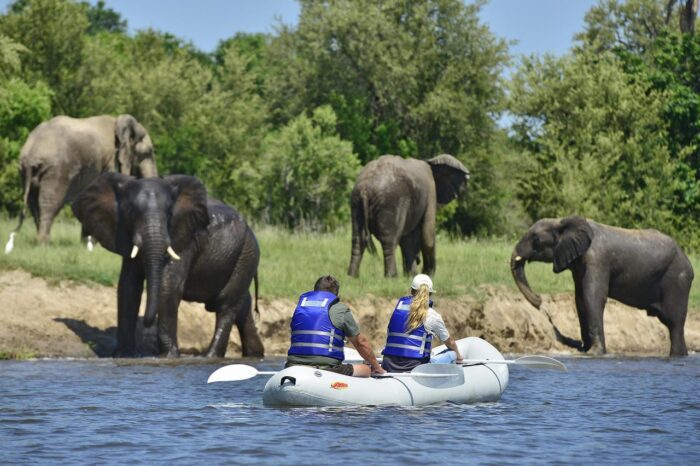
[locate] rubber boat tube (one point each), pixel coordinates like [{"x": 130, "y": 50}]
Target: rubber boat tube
[{"x": 308, "y": 386}]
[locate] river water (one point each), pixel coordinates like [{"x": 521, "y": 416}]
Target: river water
[{"x": 603, "y": 411}]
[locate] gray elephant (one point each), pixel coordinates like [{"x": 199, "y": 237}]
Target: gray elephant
[
  {"x": 63, "y": 155},
  {"x": 185, "y": 245},
  {"x": 641, "y": 268},
  {"x": 396, "y": 199}
]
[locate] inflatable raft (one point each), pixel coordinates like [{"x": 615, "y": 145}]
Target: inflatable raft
[{"x": 308, "y": 386}]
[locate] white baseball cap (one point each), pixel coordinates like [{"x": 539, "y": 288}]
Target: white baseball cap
[{"x": 422, "y": 279}]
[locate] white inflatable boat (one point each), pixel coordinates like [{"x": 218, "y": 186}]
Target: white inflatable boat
[{"x": 307, "y": 386}]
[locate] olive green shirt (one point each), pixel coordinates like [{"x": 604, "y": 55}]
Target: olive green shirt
[{"x": 342, "y": 318}]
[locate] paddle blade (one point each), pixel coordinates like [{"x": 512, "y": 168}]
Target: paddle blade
[
  {"x": 541, "y": 362},
  {"x": 438, "y": 375},
  {"x": 233, "y": 373}
]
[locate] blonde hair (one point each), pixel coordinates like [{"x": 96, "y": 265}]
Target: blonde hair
[{"x": 419, "y": 307}]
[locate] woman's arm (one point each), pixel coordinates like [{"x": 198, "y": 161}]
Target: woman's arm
[{"x": 451, "y": 344}]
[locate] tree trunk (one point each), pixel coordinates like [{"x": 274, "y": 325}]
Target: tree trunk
[{"x": 689, "y": 12}]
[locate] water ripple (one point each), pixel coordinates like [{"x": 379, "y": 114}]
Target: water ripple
[{"x": 624, "y": 410}]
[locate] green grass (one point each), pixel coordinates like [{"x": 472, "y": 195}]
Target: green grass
[
  {"x": 291, "y": 263},
  {"x": 18, "y": 354}
]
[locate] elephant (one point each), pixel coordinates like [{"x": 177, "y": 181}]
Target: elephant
[
  {"x": 396, "y": 199},
  {"x": 63, "y": 155},
  {"x": 645, "y": 269},
  {"x": 146, "y": 220}
]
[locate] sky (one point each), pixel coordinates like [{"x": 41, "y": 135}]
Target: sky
[{"x": 538, "y": 26}]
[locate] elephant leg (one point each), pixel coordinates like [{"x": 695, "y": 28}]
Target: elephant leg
[
  {"x": 358, "y": 249},
  {"x": 234, "y": 303},
  {"x": 388, "y": 249},
  {"x": 225, "y": 318},
  {"x": 33, "y": 205},
  {"x": 674, "y": 308},
  {"x": 128, "y": 301},
  {"x": 590, "y": 307},
  {"x": 410, "y": 245},
  {"x": 428, "y": 241},
  {"x": 250, "y": 340},
  {"x": 582, "y": 321},
  {"x": 52, "y": 194}
]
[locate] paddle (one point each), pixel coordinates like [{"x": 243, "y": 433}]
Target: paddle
[
  {"x": 451, "y": 375},
  {"x": 533, "y": 362}
]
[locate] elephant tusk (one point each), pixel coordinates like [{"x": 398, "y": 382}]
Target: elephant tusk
[
  {"x": 518, "y": 258},
  {"x": 134, "y": 251},
  {"x": 172, "y": 254}
]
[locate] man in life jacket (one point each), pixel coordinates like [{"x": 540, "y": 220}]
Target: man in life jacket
[
  {"x": 320, "y": 325},
  {"x": 412, "y": 326}
]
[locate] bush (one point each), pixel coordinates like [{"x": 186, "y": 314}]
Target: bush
[{"x": 307, "y": 174}]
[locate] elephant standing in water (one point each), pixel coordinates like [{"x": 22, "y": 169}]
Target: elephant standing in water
[
  {"x": 63, "y": 155},
  {"x": 396, "y": 199},
  {"x": 641, "y": 268},
  {"x": 185, "y": 245}
]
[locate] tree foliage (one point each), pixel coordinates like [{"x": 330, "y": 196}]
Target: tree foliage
[
  {"x": 307, "y": 173},
  {"x": 279, "y": 124},
  {"x": 103, "y": 19},
  {"x": 22, "y": 107},
  {"x": 410, "y": 78},
  {"x": 54, "y": 33},
  {"x": 594, "y": 143}
]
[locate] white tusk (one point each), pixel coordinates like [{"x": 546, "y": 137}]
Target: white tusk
[
  {"x": 134, "y": 251},
  {"x": 518, "y": 258},
  {"x": 90, "y": 246},
  {"x": 172, "y": 254}
]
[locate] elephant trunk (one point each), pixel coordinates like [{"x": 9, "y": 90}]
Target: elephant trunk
[
  {"x": 154, "y": 246},
  {"x": 147, "y": 168},
  {"x": 517, "y": 268},
  {"x": 147, "y": 165}
]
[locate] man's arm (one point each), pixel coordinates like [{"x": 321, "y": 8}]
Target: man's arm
[{"x": 363, "y": 346}]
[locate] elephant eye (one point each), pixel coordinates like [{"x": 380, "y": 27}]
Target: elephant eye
[{"x": 536, "y": 241}]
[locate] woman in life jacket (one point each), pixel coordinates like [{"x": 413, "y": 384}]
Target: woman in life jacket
[{"x": 412, "y": 327}]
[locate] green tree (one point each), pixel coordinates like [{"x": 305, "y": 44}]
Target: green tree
[
  {"x": 103, "y": 19},
  {"x": 594, "y": 143},
  {"x": 53, "y": 31},
  {"x": 253, "y": 48},
  {"x": 22, "y": 108},
  {"x": 408, "y": 78},
  {"x": 656, "y": 44},
  {"x": 307, "y": 173}
]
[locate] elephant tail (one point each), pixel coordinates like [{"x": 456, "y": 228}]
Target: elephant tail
[
  {"x": 26, "y": 176},
  {"x": 257, "y": 311},
  {"x": 365, "y": 235}
]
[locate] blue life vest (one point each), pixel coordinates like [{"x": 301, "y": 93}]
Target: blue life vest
[
  {"x": 313, "y": 333},
  {"x": 414, "y": 344}
]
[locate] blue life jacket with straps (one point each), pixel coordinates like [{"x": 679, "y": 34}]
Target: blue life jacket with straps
[
  {"x": 313, "y": 333},
  {"x": 415, "y": 344}
]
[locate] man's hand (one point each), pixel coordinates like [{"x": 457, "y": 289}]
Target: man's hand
[{"x": 363, "y": 346}]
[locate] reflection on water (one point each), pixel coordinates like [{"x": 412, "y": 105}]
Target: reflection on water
[{"x": 606, "y": 410}]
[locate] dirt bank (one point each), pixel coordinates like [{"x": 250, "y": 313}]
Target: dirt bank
[{"x": 75, "y": 320}]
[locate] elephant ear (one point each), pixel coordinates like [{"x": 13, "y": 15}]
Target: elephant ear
[
  {"x": 97, "y": 209},
  {"x": 575, "y": 235},
  {"x": 190, "y": 213},
  {"x": 450, "y": 177},
  {"x": 124, "y": 132},
  {"x": 129, "y": 133}
]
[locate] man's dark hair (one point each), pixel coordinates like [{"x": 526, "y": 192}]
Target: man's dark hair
[{"x": 327, "y": 283}]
